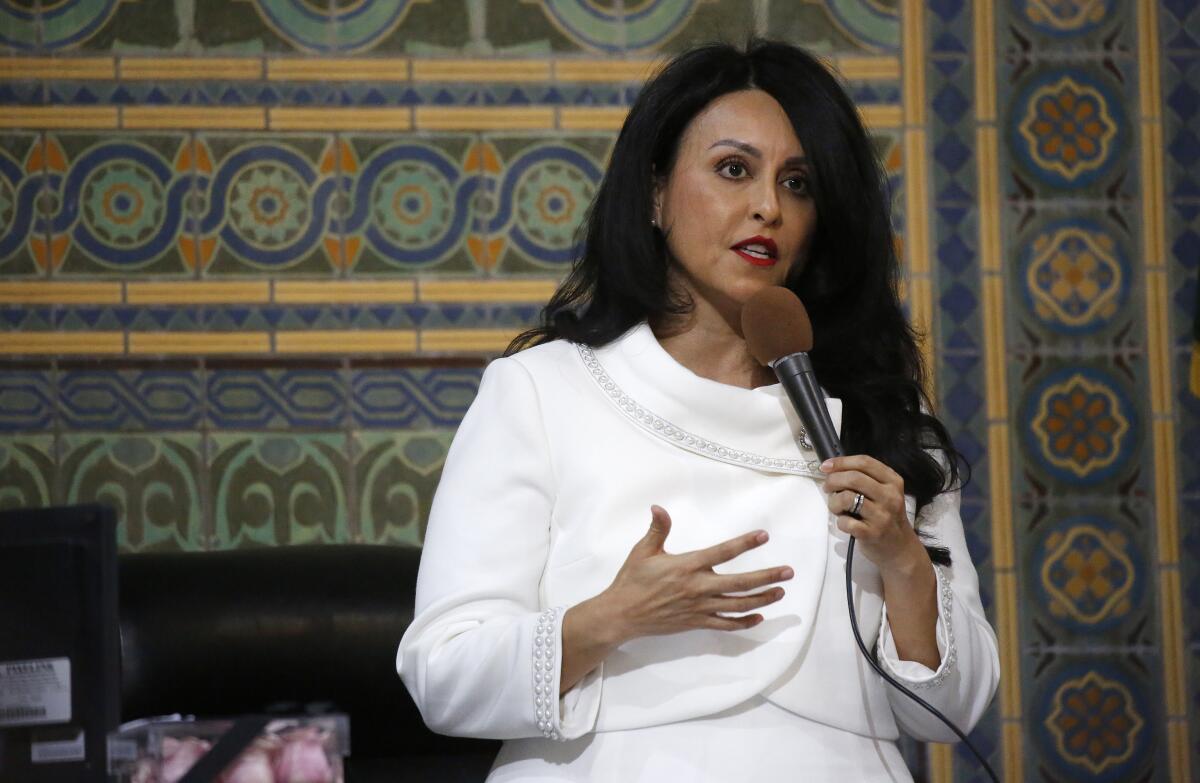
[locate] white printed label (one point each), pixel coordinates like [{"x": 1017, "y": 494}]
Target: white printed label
[
  {"x": 58, "y": 750},
  {"x": 35, "y": 692}
]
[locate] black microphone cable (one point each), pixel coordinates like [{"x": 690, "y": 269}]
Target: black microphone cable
[
  {"x": 891, "y": 680},
  {"x": 779, "y": 334}
]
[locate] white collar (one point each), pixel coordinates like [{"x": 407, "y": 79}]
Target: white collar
[{"x": 752, "y": 428}]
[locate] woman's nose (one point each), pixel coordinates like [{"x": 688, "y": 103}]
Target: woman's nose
[{"x": 766, "y": 204}]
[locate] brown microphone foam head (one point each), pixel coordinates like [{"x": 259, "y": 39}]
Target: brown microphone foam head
[{"x": 775, "y": 324}]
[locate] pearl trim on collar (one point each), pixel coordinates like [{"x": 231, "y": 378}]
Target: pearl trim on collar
[{"x": 661, "y": 428}]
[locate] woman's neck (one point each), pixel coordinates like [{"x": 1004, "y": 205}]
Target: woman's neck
[{"x": 713, "y": 349}]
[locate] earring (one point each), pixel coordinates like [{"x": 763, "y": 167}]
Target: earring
[{"x": 653, "y": 222}]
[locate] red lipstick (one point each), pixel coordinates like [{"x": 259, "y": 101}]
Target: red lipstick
[{"x": 758, "y": 250}]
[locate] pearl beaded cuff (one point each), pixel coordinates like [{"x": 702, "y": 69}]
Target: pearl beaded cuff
[
  {"x": 546, "y": 641},
  {"x": 945, "y": 631}
]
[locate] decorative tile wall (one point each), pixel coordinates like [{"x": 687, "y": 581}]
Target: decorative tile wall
[
  {"x": 254, "y": 256},
  {"x": 1062, "y": 364}
]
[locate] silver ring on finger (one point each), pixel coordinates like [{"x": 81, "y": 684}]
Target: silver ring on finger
[{"x": 856, "y": 506}]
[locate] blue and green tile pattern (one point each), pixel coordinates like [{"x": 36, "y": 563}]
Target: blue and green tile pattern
[{"x": 254, "y": 255}]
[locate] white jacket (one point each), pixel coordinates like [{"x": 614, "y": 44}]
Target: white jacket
[{"x": 548, "y": 485}]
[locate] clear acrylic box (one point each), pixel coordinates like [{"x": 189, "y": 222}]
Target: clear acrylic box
[{"x": 306, "y": 749}]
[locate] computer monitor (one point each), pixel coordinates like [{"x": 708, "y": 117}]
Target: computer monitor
[{"x": 59, "y": 643}]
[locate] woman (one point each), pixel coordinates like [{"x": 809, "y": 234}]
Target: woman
[{"x": 633, "y": 567}]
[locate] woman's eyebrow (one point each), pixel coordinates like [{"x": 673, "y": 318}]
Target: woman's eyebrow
[{"x": 755, "y": 152}]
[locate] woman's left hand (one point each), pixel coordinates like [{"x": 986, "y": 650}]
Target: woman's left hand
[{"x": 881, "y": 525}]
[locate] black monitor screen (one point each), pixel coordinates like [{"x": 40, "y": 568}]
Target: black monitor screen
[{"x": 59, "y": 649}]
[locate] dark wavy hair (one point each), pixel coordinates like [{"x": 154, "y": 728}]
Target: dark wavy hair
[{"x": 864, "y": 352}]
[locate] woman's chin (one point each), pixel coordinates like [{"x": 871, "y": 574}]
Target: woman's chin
[{"x": 752, "y": 285}]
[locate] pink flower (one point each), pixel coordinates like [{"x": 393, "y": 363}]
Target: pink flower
[
  {"x": 180, "y": 755},
  {"x": 145, "y": 771},
  {"x": 253, "y": 766},
  {"x": 302, "y": 758}
]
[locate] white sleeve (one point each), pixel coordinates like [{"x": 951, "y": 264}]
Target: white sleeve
[
  {"x": 482, "y": 655},
  {"x": 969, "y": 672}
]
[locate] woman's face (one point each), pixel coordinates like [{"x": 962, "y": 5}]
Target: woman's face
[{"x": 735, "y": 207}]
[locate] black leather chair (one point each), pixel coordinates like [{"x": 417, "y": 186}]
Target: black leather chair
[{"x": 218, "y": 634}]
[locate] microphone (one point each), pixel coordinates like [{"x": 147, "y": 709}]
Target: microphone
[{"x": 776, "y": 328}]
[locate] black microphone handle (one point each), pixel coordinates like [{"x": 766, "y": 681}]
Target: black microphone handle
[{"x": 795, "y": 372}]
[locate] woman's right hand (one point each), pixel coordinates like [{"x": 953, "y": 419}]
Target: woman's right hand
[{"x": 659, "y": 593}]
